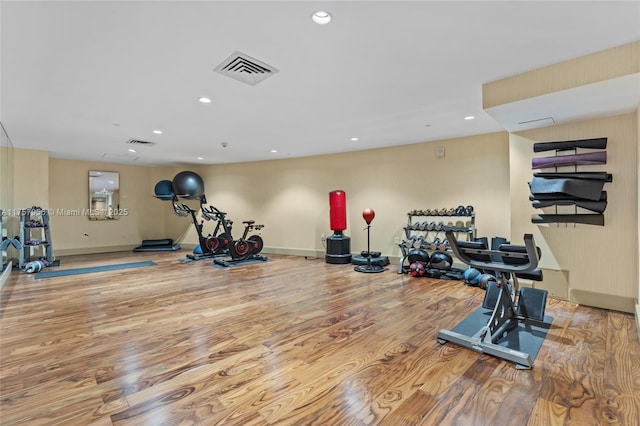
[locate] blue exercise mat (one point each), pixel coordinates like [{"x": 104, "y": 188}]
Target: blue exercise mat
[{"x": 89, "y": 270}]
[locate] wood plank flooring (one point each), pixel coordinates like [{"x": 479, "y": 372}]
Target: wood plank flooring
[{"x": 293, "y": 341}]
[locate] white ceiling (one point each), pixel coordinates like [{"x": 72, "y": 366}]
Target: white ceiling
[{"x": 80, "y": 78}]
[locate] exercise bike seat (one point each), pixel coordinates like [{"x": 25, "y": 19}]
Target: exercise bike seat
[
  {"x": 248, "y": 222},
  {"x": 476, "y": 255}
]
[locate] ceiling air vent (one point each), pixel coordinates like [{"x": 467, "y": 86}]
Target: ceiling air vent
[
  {"x": 140, "y": 143},
  {"x": 246, "y": 69},
  {"x": 539, "y": 122}
]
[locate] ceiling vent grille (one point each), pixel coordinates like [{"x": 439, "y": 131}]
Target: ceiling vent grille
[
  {"x": 246, "y": 69},
  {"x": 140, "y": 143}
]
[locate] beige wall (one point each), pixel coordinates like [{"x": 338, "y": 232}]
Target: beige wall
[
  {"x": 291, "y": 197},
  {"x": 599, "y": 264},
  {"x": 31, "y": 178},
  {"x": 146, "y": 218}
]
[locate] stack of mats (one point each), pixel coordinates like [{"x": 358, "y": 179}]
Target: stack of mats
[{"x": 584, "y": 190}]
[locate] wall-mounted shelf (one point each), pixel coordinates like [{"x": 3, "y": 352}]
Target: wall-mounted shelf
[{"x": 580, "y": 193}]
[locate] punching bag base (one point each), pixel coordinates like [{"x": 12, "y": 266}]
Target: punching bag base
[{"x": 338, "y": 249}]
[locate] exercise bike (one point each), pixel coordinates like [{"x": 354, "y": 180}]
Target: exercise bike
[
  {"x": 210, "y": 246},
  {"x": 238, "y": 249}
]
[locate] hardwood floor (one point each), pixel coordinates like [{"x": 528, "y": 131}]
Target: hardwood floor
[{"x": 294, "y": 341}]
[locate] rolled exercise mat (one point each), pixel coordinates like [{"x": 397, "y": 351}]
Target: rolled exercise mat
[
  {"x": 603, "y": 197},
  {"x": 607, "y": 177},
  {"x": 594, "y": 206},
  {"x": 597, "y": 143},
  {"x": 163, "y": 242},
  {"x": 588, "y": 219},
  {"x": 586, "y": 159},
  {"x": 581, "y": 188}
]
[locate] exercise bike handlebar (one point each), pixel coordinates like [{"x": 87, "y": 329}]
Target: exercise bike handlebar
[
  {"x": 214, "y": 211},
  {"x": 530, "y": 257}
]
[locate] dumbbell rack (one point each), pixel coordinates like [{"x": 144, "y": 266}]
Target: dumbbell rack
[
  {"x": 445, "y": 222},
  {"x": 35, "y": 233}
]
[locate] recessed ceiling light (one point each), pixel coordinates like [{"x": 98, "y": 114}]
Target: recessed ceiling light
[
  {"x": 469, "y": 117},
  {"x": 273, "y": 151},
  {"x": 131, "y": 150},
  {"x": 204, "y": 100},
  {"x": 321, "y": 17},
  {"x": 354, "y": 139},
  {"x": 157, "y": 132},
  {"x": 427, "y": 125},
  {"x": 200, "y": 158}
]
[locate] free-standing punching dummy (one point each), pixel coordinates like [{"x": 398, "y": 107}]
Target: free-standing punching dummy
[{"x": 338, "y": 244}]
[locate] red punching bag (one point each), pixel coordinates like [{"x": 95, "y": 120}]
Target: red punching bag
[{"x": 338, "y": 211}]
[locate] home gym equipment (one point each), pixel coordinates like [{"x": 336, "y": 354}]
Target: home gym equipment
[
  {"x": 189, "y": 185},
  {"x": 516, "y": 319},
  {"x": 222, "y": 244},
  {"x": 570, "y": 190},
  {"x": 371, "y": 267},
  {"x": 472, "y": 277},
  {"x": 243, "y": 249},
  {"x": 164, "y": 190},
  {"x": 33, "y": 266},
  {"x": 586, "y": 159},
  {"x": 596, "y": 143},
  {"x": 425, "y": 230},
  {"x": 417, "y": 269},
  {"x": 485, "y": 280},
  {"x": 418, "y": 255},
  {"x": 157, "y": 245},
  {"x": 441, "y": 260},
  {"x": 338, "y": 244}
]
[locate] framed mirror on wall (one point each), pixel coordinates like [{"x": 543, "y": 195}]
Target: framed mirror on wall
[{"x": 104, "y": 195}]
